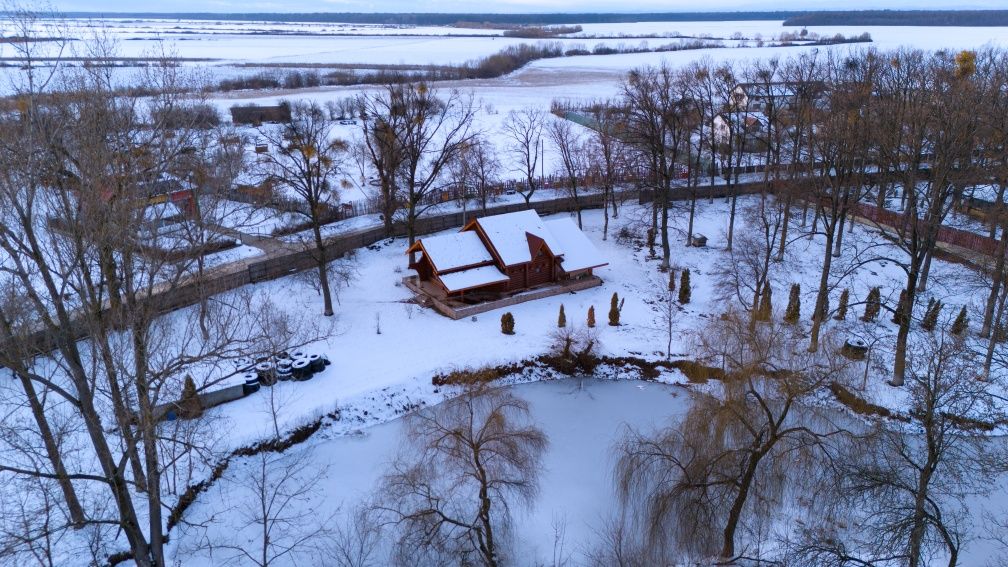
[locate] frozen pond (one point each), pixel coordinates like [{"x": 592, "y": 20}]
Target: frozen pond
[{"x": 582, "y": 420}]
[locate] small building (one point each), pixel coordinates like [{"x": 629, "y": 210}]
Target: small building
[
  {"x": 761, "y": 97},
  {"x": 504, "y": 254},
  {"x": 255, "y": 115},
  {"x": 736, "y": 127}
]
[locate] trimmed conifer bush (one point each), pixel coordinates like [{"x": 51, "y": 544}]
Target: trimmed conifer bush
[
  {"x": 189, "y": 405},
  {"x": 841, "y": 313},
  {"x": 930, "y": 320},
  {"x": 591, "y": 317},
  {"x": 615, "y": 306},
  {"x": 961, "y": 323},
  {"x": 793, "y": 311},
  {"x": 873, "y": 305},
  {"x": 562, "y": 318},
  {"x": 507, "y": 323},
  {"x": 685, "y": 292}
]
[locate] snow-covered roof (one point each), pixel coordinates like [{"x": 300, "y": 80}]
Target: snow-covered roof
[
  {"x": 451, "y": 251},
  {"x": 473, "y": 277},
  {"x": 166, "y": 210},
  {"x": 988, "y": 193},
  {"x": 578, "y": 252},
  {"x": 507, "y": 235}
]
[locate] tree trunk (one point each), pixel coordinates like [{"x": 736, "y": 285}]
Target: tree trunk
[
  {"x": 735, "y": 513},
  {"x": 487, "y": 545},
  {"x": 73, "y": 504},
  {"x": 605, "y": 213},
  {"x": 388, "y": 206},
  {"x": 119, "y": 406},
  {"x": 823, "y": 293},
  {"x": 784, "y": 228},
  {"x": 838, "y": 243},
  {"x": 666, "y": 251},
  {"x": 993, "y": 337},
  {"x": 925, "y": 270},
  {"x": 899, "y": 367},
  {"x": 998, "y": 277},
  {"x": 323, "y": 269},
  {"x": 61, "y": 326},
  {"x": 919, "y": 515},
  {"x": 731, "y": 215},
  {"x": 577, "y": 202},
  {"x": 692, "y": 213}
]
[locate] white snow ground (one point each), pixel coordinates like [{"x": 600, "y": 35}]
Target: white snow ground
[{"x": 374, "y": 376}]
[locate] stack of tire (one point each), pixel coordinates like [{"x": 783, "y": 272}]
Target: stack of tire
[
  {"x": 298, "y": 366},
  {"x": 266, "y": 372},
  {"x": 283, "y": 368},
  {"x": 247, "y": 372}
]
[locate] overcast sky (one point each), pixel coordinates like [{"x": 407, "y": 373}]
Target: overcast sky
[{"x": 506, "y": 5}]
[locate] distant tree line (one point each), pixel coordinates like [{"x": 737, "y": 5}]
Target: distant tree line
[
  {"x": 985, "y": 18},
  {"x": 445, "y": 19}
]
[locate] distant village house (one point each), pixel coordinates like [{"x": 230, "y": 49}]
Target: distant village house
[{"x": 761, "y": 97}]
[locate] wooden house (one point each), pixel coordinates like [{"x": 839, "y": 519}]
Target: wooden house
[
  {"x": 504, "y": 254},
  {"x": 255, "y": 115}
]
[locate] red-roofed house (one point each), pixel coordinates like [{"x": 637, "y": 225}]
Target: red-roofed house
[{"x": 504, "y": 254}]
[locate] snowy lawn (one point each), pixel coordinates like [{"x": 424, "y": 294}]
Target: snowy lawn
[{"x": 415, "y": 343}]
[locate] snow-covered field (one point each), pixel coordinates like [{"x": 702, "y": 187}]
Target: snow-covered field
[
  {"x": 228, "y": 44},
  {"x": 384, "y": 349}
]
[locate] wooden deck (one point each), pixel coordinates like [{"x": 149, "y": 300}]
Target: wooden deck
[{"x": 430, "y": 296}]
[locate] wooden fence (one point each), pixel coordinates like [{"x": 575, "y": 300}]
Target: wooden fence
[
  {"x": 949, "y": 235},
  {"x": 285, "y": 262}
]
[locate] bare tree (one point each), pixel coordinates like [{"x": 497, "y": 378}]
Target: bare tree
[
  {"x": 658, "y": 126},
  {"x": 907, "y": 484},
  {"x": 570, "y": 145},
  {"x": 840, "y": 141},
  {"x": 309, "y": 162},
  {"x": 730, "y": 138},
  {"x": 467, "y": 464},
  {"x": 607, "y": 154},
  {"x": 428, "y": 130},
  {"x": 798, "y": 160},
  {"x": 699, "y": 88},
  {"x": 477, "y": 169},
  {"x": 993, "y": 134},
  {"x": 80, "y": 164},
  {"x": 276, "y": 498},
  {"x": 748, "y": 275},
  {"x": 524, "y": 131},
  {"x": 355, "y": 540},
  {"x": 925, "y": 146},
  {"x": 381, "y": 150}
]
